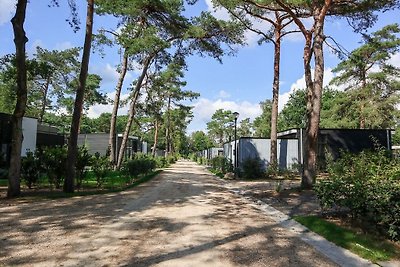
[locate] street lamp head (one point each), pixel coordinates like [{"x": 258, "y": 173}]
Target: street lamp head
[{"x": 236, "y": 115}]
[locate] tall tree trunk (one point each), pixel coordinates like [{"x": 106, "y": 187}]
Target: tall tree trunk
[
  {"x": 132, "y": 111},
  {"x": 314, "y": 43},
  {"x": 131, "y": 115},
  {"x": 44, "y": 100},
  {"x": 167, "y": 133},
  {"x": 221, "y": 139},
  {"x": 113, "y": 121},
  {"x": 314, "y": 95},
  {"x": 80, "y": 94},
  {"x": 362, "y": 117},
  {"x": 307, "y": 173},
  {"x": 20, "y": 39},
  {"x": 362, "y": 100},
  {"x": 275, "y": 98},
  {"x": 153, "y": 152}
]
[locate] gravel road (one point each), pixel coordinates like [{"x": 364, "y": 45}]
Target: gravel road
[{"x": 183, "y": 217}]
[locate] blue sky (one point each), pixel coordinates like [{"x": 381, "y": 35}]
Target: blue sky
[{"x": 239, "y": 84}]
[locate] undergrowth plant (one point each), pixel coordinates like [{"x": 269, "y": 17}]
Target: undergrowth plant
[
  {"x": 140, "y": 164},
  {"x": 54, "y": 161},
  {"x": 368, "y": 186},
  {"x": 82, "y": 164},
  {"x": 221, "y": 164},
  {"x": 101, "y": 167},
  {"x": 252, "y": 168},
  {"x": 30, "y": 169}
]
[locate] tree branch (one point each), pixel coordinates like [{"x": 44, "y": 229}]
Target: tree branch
[{"x": 339, "y": 48}]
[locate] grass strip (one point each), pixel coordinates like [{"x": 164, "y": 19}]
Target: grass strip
[
  {"x": 137, "y": 182},
  {"x": 59, "y": 194},
  {"x": 3, "y": 182},
  {"x": 143, "y": 179},
  {"x": 365, "y": 245}
]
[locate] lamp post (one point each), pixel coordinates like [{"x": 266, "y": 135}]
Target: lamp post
[{"x": 236, "y": 116}]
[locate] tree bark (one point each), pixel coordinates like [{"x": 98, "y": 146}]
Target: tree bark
[
  {"x": 153, "y": 152},
  {"x": 309, "y": 162},
  {"x": 167, "y": 130},
  {"x": 314, "y": 94},
  {"x": 362, "y": 100},
  {"x": 20, "y": 39},
  {"x": 80, "y": 94},
  {"x": 128, "y": 126},
  {"x": 44, "y": 100},
  {"x": 132, "y": 111},
  {"x": 275, "y": 96},
  {"x": 113, "y": 121},
  {"x": 309, "y": 140}
]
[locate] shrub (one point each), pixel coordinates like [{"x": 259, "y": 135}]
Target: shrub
[
  {"x": 161, "y": 162},
  {"x": 84, "y": 160},
  {"x": 139, "y": 155},
  {"x": 368, "y": 186},
  {"x": 193, "y": 157},
  {"x": 273, "y": 170},
  {"x": 30, "y": 169},
  {"x": 100, "y": 167},
  {"x": 54, "y": 163},
  {"x": 252, "y": 168},
  {"x": 142, "y": 165},
  {"x": 171, "y": 159},
  {"x": 221, "y": 164},
  {"x": 202, "y": 160}
]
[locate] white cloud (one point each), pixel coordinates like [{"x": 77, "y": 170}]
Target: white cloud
[
  {"x": 136, "y": 68},
  {"x": 395, "y": 60},
  {"x": 223, "y": 94},
  {"x": 220, "y": 13},
  {"x": 63, "y": 45},
  {"x": 7, "y": 8},
  {"x": 38, "y": 42},
  {"x": 108, "y": 73},
  {"x": 251, "y": 38},
  {"x": 96, "y": 110},
  {"x": 61, "y": 111},
  {"x": 301, "y": 84},
  {"x": 204, "y": 109}
]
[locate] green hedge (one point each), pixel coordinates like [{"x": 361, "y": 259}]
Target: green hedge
[
  {"x": 221, "y": 164},
  {"x": 368, "y": 186},
  {"x": 140, "y": 165},
  {"x": 50, "y": 163}
]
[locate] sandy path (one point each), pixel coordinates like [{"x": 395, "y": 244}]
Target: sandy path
[{"x": 184, "y": 217}]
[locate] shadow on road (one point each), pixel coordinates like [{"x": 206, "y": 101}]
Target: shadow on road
[{"x": 181, "y": 213}]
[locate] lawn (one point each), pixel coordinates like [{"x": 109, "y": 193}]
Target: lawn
[
  {"x": 3, "y": 182},
  {"x": 114, "y": 182},
  {"x": 365, "y": 245}
]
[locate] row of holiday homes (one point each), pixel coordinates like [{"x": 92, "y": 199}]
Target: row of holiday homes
[
  {"x": 291, "y": 145},
  {"x": 37, "y": 136}
]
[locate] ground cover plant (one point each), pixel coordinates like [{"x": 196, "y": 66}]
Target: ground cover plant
[{"x": 367, "y": 246}]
